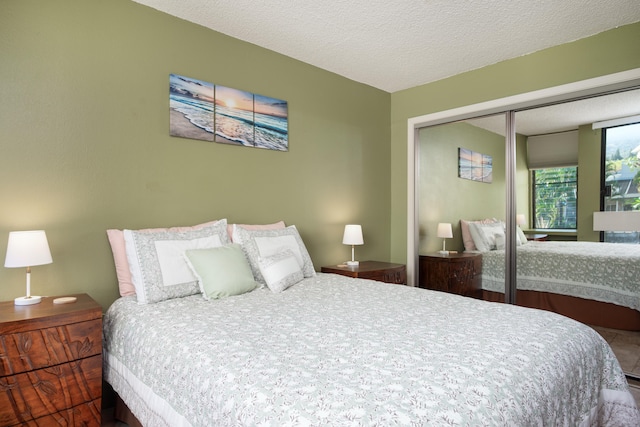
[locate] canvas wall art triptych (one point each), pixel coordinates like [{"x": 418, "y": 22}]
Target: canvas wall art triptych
[
  {"x": 208, "y": 112},
  {"x": 475, "y": 166}
]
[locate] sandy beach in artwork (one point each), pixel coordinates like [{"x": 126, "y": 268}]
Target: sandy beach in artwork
[
  {"x": 182, "y": 127},
  {"x": 223, "y": 140}
]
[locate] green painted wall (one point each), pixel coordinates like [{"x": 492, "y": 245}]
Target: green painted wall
[
  {"x": 523, "y": 198},
  {"x": 84, "y": 142},
  {"x": 85, "y": 145},
  {"x": 589, "y": 160},
  {"x": 443, "y": 196},
  {"x": 605, "y": 53}
]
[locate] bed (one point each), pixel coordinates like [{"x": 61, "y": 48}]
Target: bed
[
  {"x": 280, "y": 344},
  {"x": 342, "y": 351},
  {"x": 596, "y": 283}
]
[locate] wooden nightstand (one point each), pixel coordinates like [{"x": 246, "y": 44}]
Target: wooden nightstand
[
  {"x": 374, "y": 270},
  {"x": 51, "y": 363},
  {"x": 454, "y": 273},
  {"x": 537, "y": 237}
]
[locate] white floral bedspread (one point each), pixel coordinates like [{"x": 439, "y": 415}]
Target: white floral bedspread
[
  {"x": 335, "y": 351},
  {"x": 607, "y": 272}
]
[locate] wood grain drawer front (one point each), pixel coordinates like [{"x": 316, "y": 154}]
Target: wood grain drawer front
[
  {"x": 397, "y": 276},
  {"x": 26, "y": 351},
  {"x": 30, "y": 396},
  {"x": 373, "y": 270},
  {"x": 435, "y": 275},
  {"x": 462, "y": 274},
  {"x": 393, "y": 275},
  {"x": 456, "y": 273},
  {"x": 86, "y": 415}
]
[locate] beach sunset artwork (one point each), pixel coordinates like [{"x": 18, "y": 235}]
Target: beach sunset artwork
[
  {"x": 234, "y": 116},
  {"x": 271, "y": 123},
  {"x": 191, "y": 104},
  {"x": 475, "y": 166},
  {"x": 201, "y": 110}
]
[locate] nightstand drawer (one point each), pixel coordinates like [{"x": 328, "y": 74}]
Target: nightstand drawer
[
  {"x": 455, "y": 273},
  {"x": 372, "y": 270},
  {"x": 25, "y": 351},
  {"x": 51, "y": 363},
  {"x": 47, "y": 391}
]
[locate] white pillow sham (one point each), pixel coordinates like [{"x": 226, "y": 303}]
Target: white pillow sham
[
  {"x": 522, "y": 238},
  {"x": 158, "y": 268},
  {"x": 484, "y": 235},
  {"x": 280, "y": 271},
  {"x": 467, "y": 239},
  {"x": 258, "y": 244},
  {"x": 493, "y": 237}
]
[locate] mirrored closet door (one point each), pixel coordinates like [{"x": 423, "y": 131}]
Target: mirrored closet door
[{"x": 480, "y": 191}]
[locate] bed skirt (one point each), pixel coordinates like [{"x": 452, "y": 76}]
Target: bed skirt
[{"x": 590, "y": 312}]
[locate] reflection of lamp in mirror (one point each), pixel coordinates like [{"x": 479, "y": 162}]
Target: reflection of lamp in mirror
[
  {"x": 27, "y": 249},
  {"x": 521, "y": 220},
  {"x": 444, "y": 232},
  {"x": 352, "y": 236}
]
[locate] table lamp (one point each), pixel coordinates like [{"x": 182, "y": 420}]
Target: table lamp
[
  {"x": 352, "y": 236},
  {"x": 27, "y": 249},
  {"x": 444, "y": 232}
]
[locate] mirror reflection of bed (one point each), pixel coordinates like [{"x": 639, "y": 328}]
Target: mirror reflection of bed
[{"x": 568, "y": 271}]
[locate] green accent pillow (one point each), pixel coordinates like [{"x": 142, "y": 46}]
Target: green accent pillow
[{"x": 222, "y": 271}]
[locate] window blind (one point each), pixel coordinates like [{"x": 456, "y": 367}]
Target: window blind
[{"x": 553, "y": 150}]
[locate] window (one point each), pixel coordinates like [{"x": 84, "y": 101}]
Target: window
[
  {"x": 621, "y": 176},
  {"x": 555, "y": 193}
]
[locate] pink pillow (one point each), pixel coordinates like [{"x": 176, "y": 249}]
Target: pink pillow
[
  {"x": 116, "y": 240},
  {"x": 275, "y": 226}
]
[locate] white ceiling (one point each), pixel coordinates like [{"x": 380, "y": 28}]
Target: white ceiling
[
  {"x": 567, "y": 116},
  {"x": 398, "y": 44}
]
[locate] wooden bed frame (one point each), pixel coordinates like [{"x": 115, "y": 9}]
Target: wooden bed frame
[
  {"x": 590, "y": 312},
  {"x": 123, "y": 413}
]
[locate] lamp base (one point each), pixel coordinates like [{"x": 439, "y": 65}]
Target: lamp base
[
  {"x": 353, "y": 263},
  {"x": 27, "y": 300},
  {"x": 444, "y": 252}
]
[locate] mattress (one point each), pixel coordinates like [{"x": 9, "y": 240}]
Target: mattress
[
  {"x": 606, "y": 272},
  {"x": 333, "y": 350}
]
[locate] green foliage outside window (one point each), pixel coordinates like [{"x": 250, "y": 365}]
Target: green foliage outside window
[{"x": 555, "y": 193}]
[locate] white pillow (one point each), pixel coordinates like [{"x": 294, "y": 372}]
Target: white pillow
[
  {"x": 280, "y": 271},
  {"x": 522, "y": 238},
  {"x": 484, "y": 235},
  {"x": 467, "y": 239},
  {"x": 258, "y": 244},
  {"x": 156, "y": 260},
  {"x": 501, "y": 239}
]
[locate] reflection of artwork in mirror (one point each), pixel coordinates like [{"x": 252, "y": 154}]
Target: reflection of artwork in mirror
[{"x": 474, "y": 166}]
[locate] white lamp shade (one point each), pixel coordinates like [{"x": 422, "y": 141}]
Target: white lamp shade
[
  {"x": 27, "y": 248},
  {"x": 616, "y": 221},
  {"x": 352, "y": 235},
  {"x": 521, "y": 219},
  {"x": 444, "y": 230}
]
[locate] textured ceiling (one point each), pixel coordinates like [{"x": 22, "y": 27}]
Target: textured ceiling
[
  {"x": 398, "y": 44},
  {"x": 567, "y": 116}
]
